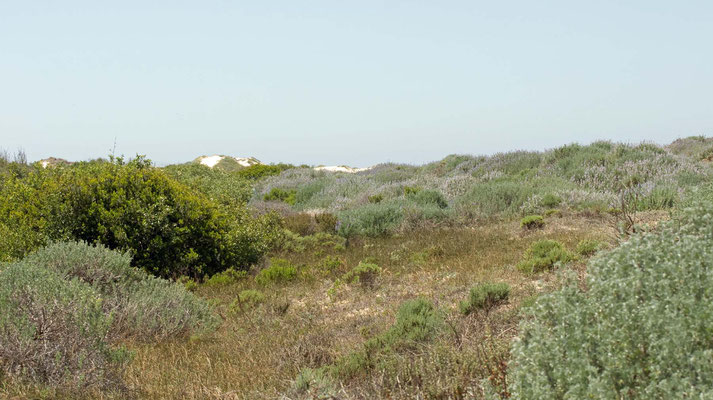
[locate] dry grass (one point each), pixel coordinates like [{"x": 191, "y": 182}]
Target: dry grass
[{"x": 258, "y": 352}]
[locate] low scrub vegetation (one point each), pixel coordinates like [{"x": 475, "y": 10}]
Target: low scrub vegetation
[
  {"x": 637, "y": 331},
  {"x": 544, "y": 255},
  {"x": 485, "y": 296}
]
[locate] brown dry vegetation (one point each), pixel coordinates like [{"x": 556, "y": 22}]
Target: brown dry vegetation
[{"x": 259, "y": 351}]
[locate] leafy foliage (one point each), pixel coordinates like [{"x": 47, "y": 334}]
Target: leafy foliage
[
  {"x": 532, "y": 222},
  {"x": 279, "y": 271}
]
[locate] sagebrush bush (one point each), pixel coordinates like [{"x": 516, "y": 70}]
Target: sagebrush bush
[
  {"x": 485, "y": 296},
  {"x": 279, "y": 271},
  {"x": 142, "y": 306},
  {"x": 532, "y": 222},
  {"x": 53, "y": 330},
  {"x": 371, "y": 220},
  {"x": 543, "y": 255},
  {"x": 641, "y": 329}
]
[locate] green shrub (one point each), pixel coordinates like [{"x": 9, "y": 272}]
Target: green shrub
[
  {"x": 640, "y": 330},
  {"x": 227, "y": 277},
  {"x": 315, "y": 383},
  {"x": 417, "y": 320},
  {"x": 277, "y": 194},
  {"x": 485, "y": 296},
  {"x": 223, "y": 187},
  {"x": 411, "y": 190},
  {"x": 170, "y": 229},
  {"x": 588, "y": 247},
  {"x": 331, "y": 264},
  {"x": 532, "y": 222},
  {"x": 543, "y": 255},
  {"x": 142, "y": 306},
  {"x": 259, "y": 171},
  {"x": 300, "y": 223},
  {"x": 279, "y": 271},
  {"x": 429, "y": 198},
  {"x": 326, "y": 222},
  {"x": 375, "y": 198},
  {"x": 53, "y": 330},
  {"x": 247, "y": 298},
  {"x": 364, "y": 274},
  {"x": 550, "y": 200}
]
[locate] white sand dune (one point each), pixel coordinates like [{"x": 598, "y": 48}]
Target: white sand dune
[
  {"x": 341, "y": 168},
  {"x": 212, "y": 161}
]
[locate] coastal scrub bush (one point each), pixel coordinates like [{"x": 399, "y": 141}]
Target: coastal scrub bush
[
  {"x": 170, "y": 229},
  {"x": 543, "y": 255},
  {"x": 640, "y": 329},
  {"x": 53, "y": 330},
  {"x": 485, "y": 296},
  {"x": 142, "y": 306},
  {"x": 279, "y": 271},
  {"x": 278, "y": 194},
  {"x": 532, "y": 222},
  {"x": 227, "y": 277},
  {"x": 587, "y": 247},
  {"x": 371, "y": 220}
]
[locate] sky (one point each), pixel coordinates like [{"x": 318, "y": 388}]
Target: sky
[{"x": 348, "y": 82}]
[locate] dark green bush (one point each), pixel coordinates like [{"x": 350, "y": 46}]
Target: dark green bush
[
  {"x": 640, "y": 330},
  {"x": 543, "y": 255},
  {"x": 279, "y": 271},
  {"x": 485, "y": 296},
  {"x": 53, "y": 330},
  {"x": 170, "y": 229},
  {"x": 142, "y": 306},
  {"x": 375, "y": 198},
  {"x": 532, "y": 222}
]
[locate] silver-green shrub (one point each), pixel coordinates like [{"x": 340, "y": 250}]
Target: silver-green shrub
[
  {"x": 142, "y": 306},
  {"x": 53, "y": 330},
  {"x": 640, "y": 330}
]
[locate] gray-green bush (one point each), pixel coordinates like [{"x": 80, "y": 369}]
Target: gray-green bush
[
  {"x": 142, "y": 306},
  {"x": 53, "y": 330},
  {"x": 640, "y": 330}
]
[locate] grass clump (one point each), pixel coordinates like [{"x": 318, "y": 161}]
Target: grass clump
[
  {"x": 485, "y": 296},
  {"x": 531, "y": 222},
  {"x": 640, "y": 330},
  {"x": 53, "y": 330},
  {"x": 543, "y": 255},
  {"x": 246, "y": 299},
  {"x": 279, "y": 271}
]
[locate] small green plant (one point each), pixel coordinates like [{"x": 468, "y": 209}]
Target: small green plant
[
  {"x": 531, "y": 222},
  {"x": 278, "y": 194},
  {"x": 543, "y": 255},
  {"x": 376, "y": 198},
  {"x": 247, "y": 298},
  {"x": 315, "y": 383},
  {"x": 588, "y": 247},
  {"x": 188, "y": 283},
  {"x": 279, "y": 271},
  {"x": 411, "y": 190},
  {"x": 364, "y": 274},
  {"x": 227, "y": 277},
  {"x": 331, "y": 264},
  {"x": 485, "y": 296},
  {"x": 326, "y": 222}
]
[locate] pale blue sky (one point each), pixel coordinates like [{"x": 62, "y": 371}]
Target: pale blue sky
[{"x": 349, "y": 82}]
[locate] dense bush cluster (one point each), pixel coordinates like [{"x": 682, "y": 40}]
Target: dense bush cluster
[
  {"x": 543, "y": 255},
  {"x": 459, "y": 188},
  {"x": 169, "y": 228},
  {"x": 63, "y": 307},
  {"x": 640, "y": 330}
]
